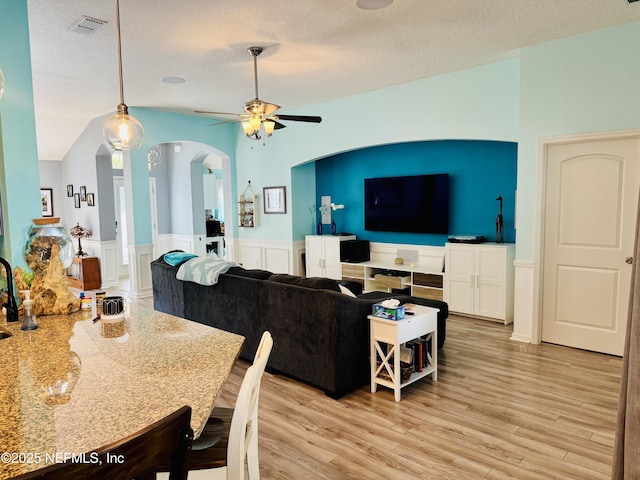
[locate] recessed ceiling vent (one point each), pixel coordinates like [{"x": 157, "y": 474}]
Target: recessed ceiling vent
[
  {"x": 87, "y": 25},
  {"x": 632, "y": 1}
]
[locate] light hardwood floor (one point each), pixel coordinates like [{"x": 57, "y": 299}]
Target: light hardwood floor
[{"x": 499, "y": 409}]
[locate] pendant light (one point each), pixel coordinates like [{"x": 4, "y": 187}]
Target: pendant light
[{"x": 122, "y": 131}]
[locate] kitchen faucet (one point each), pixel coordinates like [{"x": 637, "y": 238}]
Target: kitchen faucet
[{"x": 11, "y": 306}]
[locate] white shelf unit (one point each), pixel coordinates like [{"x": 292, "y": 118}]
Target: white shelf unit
[
  {"x": 371, "y": 275},
  {"x": 479, "y": 280},
  {"x": 248, "y": 208},
  {"x": 323, "y": 255}
]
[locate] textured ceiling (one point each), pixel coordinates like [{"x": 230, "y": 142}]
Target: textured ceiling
[{"x": 316, "y": 50}]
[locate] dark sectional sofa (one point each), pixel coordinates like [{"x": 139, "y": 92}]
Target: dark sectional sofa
[{"x": 321, "y": 336}]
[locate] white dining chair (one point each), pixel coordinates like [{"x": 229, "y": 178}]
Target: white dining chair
[{"x": 228, "y": 446}]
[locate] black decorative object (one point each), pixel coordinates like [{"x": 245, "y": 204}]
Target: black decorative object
[{"x": 500, "y": 223}]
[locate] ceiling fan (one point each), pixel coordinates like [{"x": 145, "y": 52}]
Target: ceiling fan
[{"x": 259, "y": 117}]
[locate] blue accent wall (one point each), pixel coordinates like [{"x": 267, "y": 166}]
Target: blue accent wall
[{"x": 479, "y": 171}]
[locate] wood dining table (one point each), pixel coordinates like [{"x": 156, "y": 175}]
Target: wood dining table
[{"x": 75, "y": 384}]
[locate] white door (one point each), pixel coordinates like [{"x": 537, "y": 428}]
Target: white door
[
  {"x": 491, "y": 265},
  {"x": 590, "y": 214},
  {"x": 314, "y": 255},
  {"x": 332, "y": 265},
  {"x": 460, "y": 278},
  {"x": 122, "y": 250}
]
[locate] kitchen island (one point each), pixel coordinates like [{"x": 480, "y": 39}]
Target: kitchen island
[{"x": 74, "y": 385}]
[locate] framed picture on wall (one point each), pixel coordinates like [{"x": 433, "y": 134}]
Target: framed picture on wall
[
  {"x": 83, "y": 193},
  {"x": 90, "y": 200},
  {"x": 76, "y": 200},
  {"x": 274, "y": 200},
  {"x": 46, "y": 198},
  {"x": 69, "y": 190}
]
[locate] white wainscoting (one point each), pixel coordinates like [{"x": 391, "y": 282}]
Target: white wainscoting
[
  {"x": 273, "y": 255},
  {"x": 140, "y": 258},
  {"x": 524, "y": 329},
  {"x": 164, "y": 244},
  {"x": 189, "y": 243}
]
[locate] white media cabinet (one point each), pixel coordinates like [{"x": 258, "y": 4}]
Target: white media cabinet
[
  {"x": 474, "y": 279},
  {"x": 372, "y": 276},
  {"x": 479, "y": 280},
  {"x": 323, "y": 255}
]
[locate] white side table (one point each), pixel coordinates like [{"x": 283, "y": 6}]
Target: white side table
[{"x": 423, "y": 322}]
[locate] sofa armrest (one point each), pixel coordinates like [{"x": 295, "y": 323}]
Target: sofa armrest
[{"x": 168, "y": 291}]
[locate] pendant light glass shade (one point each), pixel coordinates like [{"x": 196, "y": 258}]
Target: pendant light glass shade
[
  {"x": 1, "y": 83},
  {"x": 123, "y": 131}
]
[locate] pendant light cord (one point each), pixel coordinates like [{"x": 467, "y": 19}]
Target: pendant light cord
[
  {"x": 119, "y": 51},
  {"x": 255, "y": 72}
]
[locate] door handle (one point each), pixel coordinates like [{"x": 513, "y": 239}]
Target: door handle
[{"x": 629, "y": 260}]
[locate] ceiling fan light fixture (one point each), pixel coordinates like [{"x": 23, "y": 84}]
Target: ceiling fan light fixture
[
  {"x": 258, "y": 119},
  {"x": 268, "y": 126},
  {"x": 122, "y": 131},
  {"x": 255, "y": 122}
]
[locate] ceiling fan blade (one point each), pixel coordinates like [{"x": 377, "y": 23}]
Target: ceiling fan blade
[
  {"x": 226, "y": 121},
  {"x": 299, "y": 118},
  {"x": 270, "y": 108},
  {"x": 278, "y": 125},
  {"x": 218, "y": 113}
]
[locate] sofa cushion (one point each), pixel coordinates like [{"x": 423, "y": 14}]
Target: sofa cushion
[
  {"x": 311, "y": 282},
  {"x": 346, "y": 291},
  {"x": 252, "y": 273},
  {"x": 354, "y": 287}
]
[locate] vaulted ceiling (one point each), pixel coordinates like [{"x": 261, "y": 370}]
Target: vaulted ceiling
[{"x": 315, "y": 50}]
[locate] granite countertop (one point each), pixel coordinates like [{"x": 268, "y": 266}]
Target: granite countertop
[{"x": 72, "y": 385}]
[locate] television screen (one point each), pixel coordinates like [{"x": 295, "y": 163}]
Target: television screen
[{"x": 418, "y": 204}]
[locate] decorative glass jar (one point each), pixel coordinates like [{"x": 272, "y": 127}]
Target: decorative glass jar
[{"x": 44, "y": 234}]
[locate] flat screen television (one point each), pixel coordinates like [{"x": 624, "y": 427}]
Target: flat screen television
[{"x": 418, "y": 204}]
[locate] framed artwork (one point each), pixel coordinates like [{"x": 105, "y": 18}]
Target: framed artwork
[
  {"x": 275, "y": 200},
  {"x": 46, "y": 198},
  {"x": 90, "y": 200},
  {"x": 83, "y": 193},
  {"x": 69, "y": 190},
  {"x": 76, "y": 200}
]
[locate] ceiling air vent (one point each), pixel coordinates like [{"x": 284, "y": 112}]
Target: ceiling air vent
[
  {"x": 87, "y": 25},
  {"x": 632, "y": 1}
]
